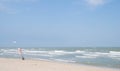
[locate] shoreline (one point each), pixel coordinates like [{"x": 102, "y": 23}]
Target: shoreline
[
  {"x": 9, "y": 64},
  {"x": 101, "y": 57}
]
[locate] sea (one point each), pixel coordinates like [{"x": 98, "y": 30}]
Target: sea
[{"x": 96, "y": 56}]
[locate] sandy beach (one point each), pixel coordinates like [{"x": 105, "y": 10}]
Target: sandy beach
[{"x": 40, "y": 65}]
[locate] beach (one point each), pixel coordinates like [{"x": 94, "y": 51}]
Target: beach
[
  {"x": 101, "y": 57},
  {"x": 7, "y": 64}
]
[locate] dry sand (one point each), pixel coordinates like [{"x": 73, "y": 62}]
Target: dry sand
[{"x": 40, "y": 65}]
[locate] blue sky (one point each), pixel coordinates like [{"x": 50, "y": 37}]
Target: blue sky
[{"x": 60, "y": 23}]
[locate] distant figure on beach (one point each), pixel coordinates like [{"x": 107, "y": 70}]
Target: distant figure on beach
[{"x": 20, "y": 53}]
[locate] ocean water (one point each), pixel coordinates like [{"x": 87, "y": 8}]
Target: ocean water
[{"x": 98, "y": 56}]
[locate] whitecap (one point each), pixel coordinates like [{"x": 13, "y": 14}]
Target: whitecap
[
  {"x": 114, "y": 53},
  {"x": 78, "y": 51},
  {"x": 85, "y": 57},
  {"x": 28, "y": 51},
  {"x": 63, "y": 60}
]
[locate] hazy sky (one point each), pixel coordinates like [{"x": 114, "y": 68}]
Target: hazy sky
[{"x": 60, "y": 23}]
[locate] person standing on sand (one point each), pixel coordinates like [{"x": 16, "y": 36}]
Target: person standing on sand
[{"x": 20, "y": 53}]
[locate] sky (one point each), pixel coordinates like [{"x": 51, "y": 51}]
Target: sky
[{"x": 59, "y": 23}]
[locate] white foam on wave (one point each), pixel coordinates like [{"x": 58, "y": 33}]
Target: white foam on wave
[
  {"x": 89, "y": 55},
  {"x": 92, "y": 55},
  {"x": 60, "y": 52},
  {"x": 111, "y": 54},
  {"x": 114, "y": 55},
  {"x": 56, "y": 53},
  {"x": 85, "y": 57},
  {"x": 53, "y": 52},
  {"x": 63, "y": 60},
  {"x": 9, "y": 51},
  {"x": 31, "y": 51},
  {"x": 78, "y": 51}
]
